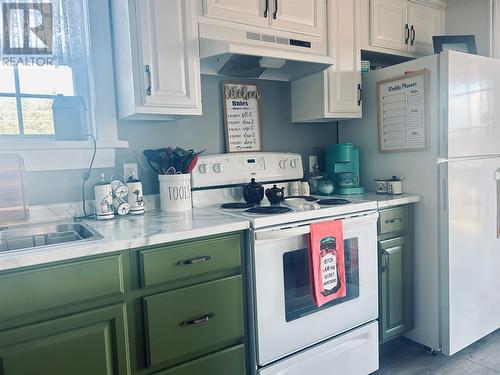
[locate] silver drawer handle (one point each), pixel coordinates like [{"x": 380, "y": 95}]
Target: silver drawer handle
[
  {"x": 186, "y": 262},
  {"x": 384, "y": 261},
  {"x": 203, "y": 319},
  {"x": 393, "y": 221},
  {"x": 148, "y": 74}
]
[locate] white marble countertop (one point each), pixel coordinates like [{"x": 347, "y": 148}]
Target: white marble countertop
[
  {"x": 386, "y": 200},
  {"x": 152, "y": 228}
]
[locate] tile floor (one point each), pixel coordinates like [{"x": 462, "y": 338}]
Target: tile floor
[{"x": 480, "y": 358}]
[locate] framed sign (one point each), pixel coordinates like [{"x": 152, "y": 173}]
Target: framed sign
[
  {"x": 242, "y": 120},
  {"x": 402, "y": 106},
  {"x": 460, "y": 43}
]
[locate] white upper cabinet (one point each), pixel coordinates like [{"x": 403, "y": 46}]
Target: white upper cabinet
[
  {"x": 335, "y": 93},
  {"x": 298, "y": 16},
  {"x": 404, "y": 27},
  {"x": 157, "y": 58},
  {"x": 388, "y": 20},
  {"x": 425, "y": 22},
  {"x": 250, "y": 12},
  {"x": 344, "y": 78},
  {"x": 292, "y": 16}
]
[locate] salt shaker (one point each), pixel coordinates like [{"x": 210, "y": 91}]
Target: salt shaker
[
  {"x": 305, "y": 189},
  {"x": 295, "y": 188}
]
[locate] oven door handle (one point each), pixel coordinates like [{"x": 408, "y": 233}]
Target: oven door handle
[{"x": 282, "y": 233}]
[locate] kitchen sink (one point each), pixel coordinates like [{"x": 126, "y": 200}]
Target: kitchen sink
[{"x": 29, "y": 236}]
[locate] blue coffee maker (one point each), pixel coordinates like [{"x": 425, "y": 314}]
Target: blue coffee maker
[{"x": 342, "y": 167}]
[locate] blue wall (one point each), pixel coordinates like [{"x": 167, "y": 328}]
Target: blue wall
[{"x": 200, "y": 132}]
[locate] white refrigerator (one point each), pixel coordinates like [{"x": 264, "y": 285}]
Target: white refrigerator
[{"x": 457, "y": 222}]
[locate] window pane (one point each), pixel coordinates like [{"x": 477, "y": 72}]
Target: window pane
[
  {"x": 37, "y": 116},
  {"x": 8, "y": 116},
  {"x": 7, "y": 79},
  {"x": 46, "y": 80}
]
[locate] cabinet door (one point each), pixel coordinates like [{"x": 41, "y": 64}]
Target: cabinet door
[
  {"x": 388, "y": 24},
  {"x": 424, "y": 22},
  {"x": 396, "y": 288},
  {"x": 344, "y": 78},
  {"x": 168, "y": 43},
  {"x": 250, "y": 12},
  {"x": 94, "y": 342},
  {"x": 298, "y": 16}
]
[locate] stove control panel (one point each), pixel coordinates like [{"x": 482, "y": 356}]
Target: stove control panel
[{"x": 239, "y": 168}]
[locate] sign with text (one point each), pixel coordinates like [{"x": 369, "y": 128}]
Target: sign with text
[
  {"x": 403, "y": 112},
  {"x": 242, "y": 120},
  {"x": 27, "y": 33}
]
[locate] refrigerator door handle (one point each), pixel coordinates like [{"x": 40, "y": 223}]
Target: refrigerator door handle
[{"x": 497, "y": 178}]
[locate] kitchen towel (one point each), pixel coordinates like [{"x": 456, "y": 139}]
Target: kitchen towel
[{"x": 326, "y": 257}]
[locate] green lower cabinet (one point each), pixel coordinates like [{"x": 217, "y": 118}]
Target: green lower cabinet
[
  {"x": 226, "y": 362},
  {"x": 94, "y": 342},
  {"x": 396, "y": 287},
  {"x": 189, "y": 322}
]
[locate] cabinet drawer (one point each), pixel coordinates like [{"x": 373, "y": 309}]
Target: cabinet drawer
[
  {"x": 173, "y": 262},
  {"x": 393, "y": 220},
  {"x": 49, "y": 287},
  {"x": 226, "y": 362},
  {"x": 188, "y": 320}
]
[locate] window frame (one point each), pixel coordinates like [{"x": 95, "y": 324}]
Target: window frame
[
  {"x": 20, "y": 121},
  {"x": 40, "y": 153}
]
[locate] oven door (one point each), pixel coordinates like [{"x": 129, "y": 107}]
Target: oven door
[{"x": 286, "y": 317}]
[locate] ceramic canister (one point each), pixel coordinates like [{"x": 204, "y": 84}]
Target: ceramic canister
[
  {"x": 135, "y": 197},
  {"x": 395, "y": 186},
  {"x": 104, "y": 201},
  {"x": 382, "y": 185},
  {"x": 175, "y": 192},
  {"x": 119, "y": 189},
  {"x": 121, "y": 206}
]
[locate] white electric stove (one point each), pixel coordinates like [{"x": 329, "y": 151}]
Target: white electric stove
[
  {"x": 218, "y": 181},
  {"x": 289, "y": 334}
]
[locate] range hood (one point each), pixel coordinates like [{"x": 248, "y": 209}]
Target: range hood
[{"x": 254, "y": 55}]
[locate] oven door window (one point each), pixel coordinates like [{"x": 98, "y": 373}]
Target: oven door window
[{"x": 299, "y": 300}]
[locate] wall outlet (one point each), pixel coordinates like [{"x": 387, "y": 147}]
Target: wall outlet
[
  {"x": 130, "y": 169},
  {"x": 313, "y": 163}
]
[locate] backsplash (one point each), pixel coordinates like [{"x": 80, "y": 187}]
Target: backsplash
[{"x": 198, "y": 132}]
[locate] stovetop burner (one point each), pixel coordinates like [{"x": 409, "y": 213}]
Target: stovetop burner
[
  {"x": 307, "y": 198},
  {"x": 236, "y": 205},
  {"x": 332, "y": 202},
  {"x": 268, "y": 210}
]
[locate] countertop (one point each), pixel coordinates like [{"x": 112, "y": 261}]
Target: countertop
[
  {"x": 386, "y": 200},
  {"x": 155, "y": 227},
  {"x": 130, "y": 232}
]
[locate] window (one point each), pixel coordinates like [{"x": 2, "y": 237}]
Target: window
[
  {"x": 27, "y": 95},
  {"x": 56, "y": 83},
  {"x": 44, "y": 73}
]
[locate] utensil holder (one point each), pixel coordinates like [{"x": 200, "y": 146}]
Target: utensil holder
[{"x": 175, "y": 192}]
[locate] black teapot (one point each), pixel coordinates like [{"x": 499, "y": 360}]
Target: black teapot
[
  {"x": 275, "y": 194},
  {"x": 253, "y": 192}
]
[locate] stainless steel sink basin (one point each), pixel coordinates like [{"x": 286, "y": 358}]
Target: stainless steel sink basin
[{"x": 45, "y": 234}]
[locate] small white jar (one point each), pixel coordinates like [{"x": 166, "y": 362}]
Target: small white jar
[
  {"x": 382, "y": 185},
  {"x": 395, "y": 186}
]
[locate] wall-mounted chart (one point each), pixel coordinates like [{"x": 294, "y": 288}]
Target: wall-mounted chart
[
  {"x": 403, "y": 112},
  {"x": 242, "y": 120}
]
